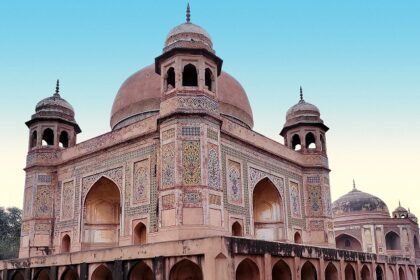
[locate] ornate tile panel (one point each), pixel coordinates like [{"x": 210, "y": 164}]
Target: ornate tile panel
[
  {"x": 314, "y": 202},
  {"x": 43, "y": 202},
  {"x": 215, "y": 199},
  {"x": 212, "y": 134},
  {"x": 294, "y": 200},
  {"x": 234, "y": 182},
  {"x": 256, "y": 175},
  {"x": 168, "y": 201},
  {"x": 192, "y": 198},
  {"x": 168, "y": 134},
  {"x": 168, "y": 165},
  {"x": 67, "y": 201},
  {"x": 28, "y": 203},
  {"x": 191, "y": 162},
  {"x": 213, "y": 167},
  {"x": 116, "y": 175},
  {"x": 141, "y": 182}
]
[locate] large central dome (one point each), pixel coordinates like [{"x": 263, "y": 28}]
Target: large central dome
[{"x": 140, "y": 96}]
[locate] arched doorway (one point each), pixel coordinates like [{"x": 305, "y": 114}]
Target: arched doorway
[
  {"x": 69, "y": 274},
  {"x": 308, "y": 272},
  {"x": 102, "y": 214},
  {"x": 331, "y": 272},
  {"x": 236, "y": 229},
  {"x": 102, "y": 273},
  {"x": 297, "y": 238},
  {"x": 140, "y": 233},
  {"x": 247, "y": 270},
  {"x": 281, "y": 271},
  {"x": 43, "y": 275},
  {"x": 141, "y": 271},
  {"x": 401, "y": 274},
  {"x": 347, "y": 242},
  {"x": 267, "y": 207},
  {"x": 65, "y": 244},
  {"x": 18, "y": 276},
  {"x": 392, "y": 241},
  {"x": 349, "y": 273},
  {"x": 365, "y": 273},
  {"x": 186, "y": 269},
  {"x": 379, "y": 273}
]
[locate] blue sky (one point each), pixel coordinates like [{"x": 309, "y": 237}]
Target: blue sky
[{"x": 358, "y": 61}]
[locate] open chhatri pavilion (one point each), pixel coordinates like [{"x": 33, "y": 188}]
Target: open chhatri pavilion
[{"x": 183, "y": 188}]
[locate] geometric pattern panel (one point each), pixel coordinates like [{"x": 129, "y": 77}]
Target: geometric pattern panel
[
  {"x": 43, "y": 202},
  {"x": 213, "y": 172},
  {"x": 67, "y": 201},
  {"x": 314, "y": 203},
  {"x": 191, "y": 162},
  {"x": 141, "y": 182},
  {"x": 234, "y": 182},
  {"x": 168, "y": 165},
  {"x": 295, "y": 200},
  {"x": 168, "y": 201},
  {"x": 28, "y": 202}
]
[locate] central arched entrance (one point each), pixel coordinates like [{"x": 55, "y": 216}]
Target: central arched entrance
[
  {"x": 268, "y": 211},
  {"x": 102, "y": 215}
]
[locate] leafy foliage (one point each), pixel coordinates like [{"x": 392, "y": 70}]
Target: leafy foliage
[{"x": 10, "y": 223}]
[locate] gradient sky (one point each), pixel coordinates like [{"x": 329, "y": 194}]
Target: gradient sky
[{"x": 358, "y": 61}]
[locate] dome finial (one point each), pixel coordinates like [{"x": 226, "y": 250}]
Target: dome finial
[
  {"x": 301, "y": 93},
  {"x": 354, "y": 184},
  {"x": 399, "y": 203},
  {"x": 57, "y": 88},
  {"x": 188, "y": 12}
]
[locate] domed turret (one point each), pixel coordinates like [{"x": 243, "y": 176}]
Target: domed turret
[
  {"x": 400, "y": 212},
  {"x": 304, "y": 130},
  {"x": 357, "y": 202}
]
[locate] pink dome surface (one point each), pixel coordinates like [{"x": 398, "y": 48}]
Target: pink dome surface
[{"x": 140, "y": 94}]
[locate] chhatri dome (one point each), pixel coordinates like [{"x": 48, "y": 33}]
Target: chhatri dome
[
  {"x": 357, "y": 202},
  {"x": 140, "y": 95}
]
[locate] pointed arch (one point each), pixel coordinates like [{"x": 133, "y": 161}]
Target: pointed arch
[
  {"x": 140, "y": 234},
  {"x": 34, "y": 139},
  {"x": 310, "y": 142},
  {"x": 209, "y": 79},
  {"x": 297, "y": 238},
  {"x": 18, "y": 275},
  {"x": 401, "y": 274},
  {"x": 43, "y": 274},
  {"x": 170, "y": 78},
  {"x": 190, "y": 76},
  {"x": 141, "y": 271},
  {"x": 349, "y": 273},
  {"x": 281, "y": 271},
  {"x": 186, "y": 269},
  {"x": 331, "y": 272},
  {"x": 101, "y": 217},
  {"x": 296, "y": 143},
  {"x": 308, "y": 272},
  {"x": 323, "y": 144},
  {"x": 267, "y": 210},
  {"x": 64, "y": 139},
  {"x": 392, "y": 241},
  {"x": 237, "y": 229},
  {"x": 65, "y": 244},
  {"x": 365, "y": 273},
  {"x": 379, "y": 273},
  {"x": 101, "y": 273},
  {"x": 347, "y": 242},
  {"x": 247, "y": 270},
  {"x": 69, "y": 274},
  {"x": 48, "y": 137}
]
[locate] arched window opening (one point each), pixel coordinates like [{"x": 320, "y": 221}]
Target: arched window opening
[
  {"x": 102, "y": 214},
  {"x": 267, "y": 210},
  {"x": 141, "y": 271},
  {"x": 365, "y": 273},
  {"x": 401, "y": 274},
  {"x": 102, "y": 273},
  {"x": 186, "y": 269},
  {"x": 247, "y": 270},
  {"x": 140, "y": 233},
  {"x": 379, "y": 273},
  {"x": 323, "y": 146},
  {"x": 281, "y": 271},
  {"x": 347, "y": 242},
  {"x": 297, "y": 238},
  {"x": 296, "y": 144},
  {"x": 43, "y": 275},
  {"x": 65, "y": 244},
  {"x": 48, "y": 137},
  {"x": 34, "y": 139},
  {"x": 237, "y": 229},
  {"x": 331, "y": 272},
  {"x": 18, "y": 276},
  {"x": 392, "y": 241},
  {"x": 64, "y": 140},
  {"x": 310, "y": 141},
  {"x": 349, "y": 273},
  {"x": 189, "y": 76},
  {"x": 209, "y": 79},
  {"x": 70, "y": 274},
  {"x": 170, "y": 79},
  {"x": 308, "y": 272}
]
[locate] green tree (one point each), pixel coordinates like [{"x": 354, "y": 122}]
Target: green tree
[{"x": 10, "y": 223}]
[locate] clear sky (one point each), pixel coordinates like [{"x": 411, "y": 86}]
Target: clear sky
[{"x": 358, "y": 61}]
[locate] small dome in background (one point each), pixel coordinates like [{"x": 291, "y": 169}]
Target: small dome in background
[{"x": 358, "y": 202}]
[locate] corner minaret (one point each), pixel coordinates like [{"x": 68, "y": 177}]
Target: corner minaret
[{"x": 304, "y": 130}]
